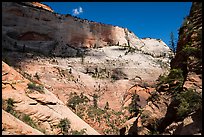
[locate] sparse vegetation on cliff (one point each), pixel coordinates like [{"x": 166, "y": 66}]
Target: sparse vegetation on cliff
[
  {"x": 10, "y": 105},
  {"x": 33, "y": 86},
  {"x": 175, "y": 80},
  {"x": 76, "y": 100},
  {"x": 190, "y": 101},
  {"x": 28, "y": 120},
  {"x": 97, "y": 116},
  {"x": 189, "y": 50}
]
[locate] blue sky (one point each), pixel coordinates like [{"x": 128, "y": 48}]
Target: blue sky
[{"x": 145, "y": 19}]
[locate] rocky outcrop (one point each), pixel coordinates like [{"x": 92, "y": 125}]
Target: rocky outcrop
[
  {"x": 156, "y": 47},
  {"x": 189, "y": 48}
]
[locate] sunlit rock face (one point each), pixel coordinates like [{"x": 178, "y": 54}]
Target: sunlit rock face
[
  {"x": 40, "y": 5},
  {"x": 30, "y": 23}
]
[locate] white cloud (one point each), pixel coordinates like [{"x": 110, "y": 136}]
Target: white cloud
[
  {"x": 77, "y": 11},
  {"x": 80, "y": 9}
]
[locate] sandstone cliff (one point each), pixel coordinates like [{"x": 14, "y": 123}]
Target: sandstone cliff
[{"x": 61, "y": 35}]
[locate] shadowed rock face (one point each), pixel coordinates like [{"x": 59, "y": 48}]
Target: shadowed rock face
[
  {"x": 163, "y": 117},
  {"x": 189, "y": 52},
  {"x": 189, "y": 49}
]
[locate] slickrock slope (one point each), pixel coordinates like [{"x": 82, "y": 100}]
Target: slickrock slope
[
  {"x": 13, "y": 126},
  {"x": 175, "y": 107},
  {"x": 43, "y": 107}
]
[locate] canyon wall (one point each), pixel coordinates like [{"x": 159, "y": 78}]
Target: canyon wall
[{"x": 175, "y": 107}]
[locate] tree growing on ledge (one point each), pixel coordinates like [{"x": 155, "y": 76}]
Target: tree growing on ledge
[{"x": 172, "y": 43}]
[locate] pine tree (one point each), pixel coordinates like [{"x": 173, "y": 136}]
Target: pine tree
[
  {"x": 133, "y": 106},
  {"x": 172, "y": 42}
]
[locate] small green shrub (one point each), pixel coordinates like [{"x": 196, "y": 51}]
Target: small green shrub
[
  {"x": 175, "y": 79},
  {"x": 188, "y": 50},
  {"x": 26, "y": 75},
  {"x": 130, "y": 50},
  {"x": 184, "y": 23},
  {"x": 82, "y": 59},
  {"x": 76, "y": 100},
  {"x": 153, "y": 97},
  {"x": 144, "y": 117},
  {"x": 10, "y": 105},
  {"x": 133, "y": 106},
  {"x": 81, "y": 132},
  {"x": 7, "y": 60},
  {"x": 29, "y": 121},
  {"x": 64, "y": 125},
  {"x": 93, "y": 111},
  {"x": 153, "y": 132},
  {"x": 33, "y": 86},
  {"x": 37, "y": 76},
  {"x": 162, "y": 79},
  {"x": 95, "y": 97},
  {"x": 145, "y": 85},
  {"x": 176, "y": 74},
  {"x": 118, "y": 74}
]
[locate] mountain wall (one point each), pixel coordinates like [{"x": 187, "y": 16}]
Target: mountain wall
[{"x": 41, "y": 29}]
